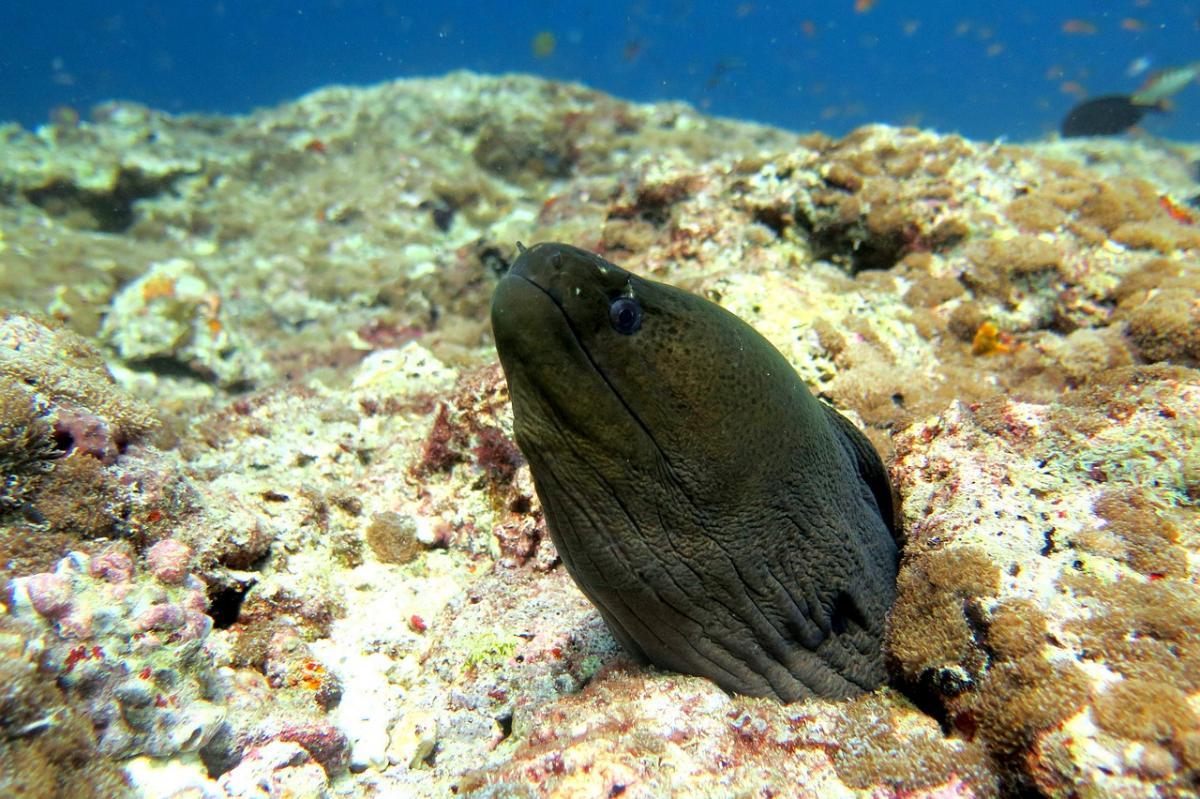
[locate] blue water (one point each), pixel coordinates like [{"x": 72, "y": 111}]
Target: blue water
[{"x": 984, "y": 69}]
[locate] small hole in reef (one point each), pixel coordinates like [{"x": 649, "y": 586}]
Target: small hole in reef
[
  {"x": 505, "y": 721},
  {"x": 63, "y": 440},
  {"x": 225, "y": 605}
]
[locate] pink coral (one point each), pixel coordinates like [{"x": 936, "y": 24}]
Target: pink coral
[
  {"x": 50, "y": 595},
  {"x": 195, "y": 625},
  {"x": 325, "y": 742},
  {"x": 89, "y": 434},
  {"x": 161, "y": 617},
  {"x": 168, "y": 561},
  {"x": 112, "y": 567},
  {"x": 195, "y": 601}
]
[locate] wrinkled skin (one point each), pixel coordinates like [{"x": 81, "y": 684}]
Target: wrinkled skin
[{"x": 724, "y": 521}]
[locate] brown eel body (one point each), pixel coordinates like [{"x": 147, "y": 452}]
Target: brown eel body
[{"x": 723, "y": 521}]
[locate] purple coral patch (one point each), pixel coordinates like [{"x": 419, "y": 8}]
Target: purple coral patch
[
  {"x": 80, "y": 431},
  {"x": 112, "y": 567},
  {"x": 168, "y": 561},
  {"x": 162, "y": 617},
  {"x": 50, "y": 595}
]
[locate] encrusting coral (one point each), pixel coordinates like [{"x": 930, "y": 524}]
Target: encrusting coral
[
  {"x": 48, "y": 749},
  {"x": 128, "y": 647}
]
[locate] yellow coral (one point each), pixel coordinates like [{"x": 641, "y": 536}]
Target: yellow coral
[{"x": 991, "y": 340}]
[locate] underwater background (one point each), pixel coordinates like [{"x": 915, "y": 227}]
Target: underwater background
[
  {"x": 269, "y": 527},
  {"x": 985, "y": 70}
]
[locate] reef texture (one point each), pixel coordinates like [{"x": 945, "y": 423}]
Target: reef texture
[{"x": 264, "y": 531}]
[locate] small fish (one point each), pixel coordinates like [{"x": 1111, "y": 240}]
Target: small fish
[
  {"x": 1133, "y": 25},
  {"x": 543, "y": 44},
  {"x": 863, "y": 6},
  {"x": 1137, "y": 66},
  {"x": 1175, "y": 211},
  {"x": 1079, "y": 27},
  {"x": 1073, "y": 88},
  {"x": 1104, "y": 116},
  {"x": 1166, "y": 83},
  {"x": 721, "y": 70}
]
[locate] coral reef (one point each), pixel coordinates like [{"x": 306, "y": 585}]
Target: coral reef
[
  {"x": 128, "y": 647},
  {"x": 265, "y": 532},
  {"x": 1047, "y": 573},
  {"x": 49, "y": 749},
  {"x": 65, "y": 429},
  {"x": 171, "y": 317}
]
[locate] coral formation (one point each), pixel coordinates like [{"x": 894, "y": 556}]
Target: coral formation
[
  {"x": 171, "y": 318},
  {"x": 1072, "y": 506},
  {"x": 67, "y": 376},
  {"x": 1160, "y": 314},
  {"x": 65, "y": 427},
  {"x": 48, "y": 748},
  {"x": 300, "y": 296},
  {"x": 128, "y": 647},
  {"x": 392, "y": 537}
]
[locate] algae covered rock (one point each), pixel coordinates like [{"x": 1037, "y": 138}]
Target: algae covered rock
[
  {"x": 129, "y": 649},
  {"x": 1047, "y": 577},
  {"x": 64, "y": 424},
  {"x": 173, "y": 314}
]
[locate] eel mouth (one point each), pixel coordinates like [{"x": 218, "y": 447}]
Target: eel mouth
[
  {"x": 533, "y": 286},
  {"x": 547, "y": 367},
  {"x": 553, "y": 378},
  {"x": 552, "y": 271}
]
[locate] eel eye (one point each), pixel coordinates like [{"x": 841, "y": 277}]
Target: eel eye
[{"x": 625, "y": 315}]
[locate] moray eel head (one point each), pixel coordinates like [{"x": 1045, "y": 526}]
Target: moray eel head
[{"x": 723, "y": 521}]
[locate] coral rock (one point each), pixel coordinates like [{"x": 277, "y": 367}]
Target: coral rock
[
  {"x": 168, "y": 561},
  {"x": 325, "y": 742},
  {"x": 1046, "y": 570},
  {"x": 112, "y": 567},
  {"x": 50, "y": 595},
  {"x": 88, "y": 433},
  {"x": 163, "y": 618},
  {"x": 276, "y": 770},
  {"x": 133, "y": 660},
  {"x": 412, "y": 738}
]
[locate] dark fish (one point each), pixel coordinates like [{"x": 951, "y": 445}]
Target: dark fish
[
  {"x": 723, "y": 521},
  {"x": 1104, "y": 116}
]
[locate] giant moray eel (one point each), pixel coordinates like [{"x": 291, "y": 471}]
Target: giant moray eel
[{"x": 723, "y": 521}]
